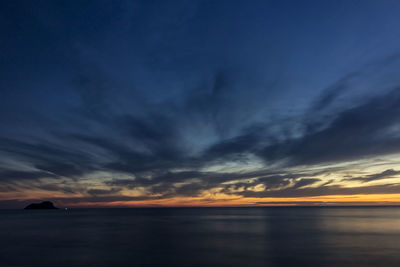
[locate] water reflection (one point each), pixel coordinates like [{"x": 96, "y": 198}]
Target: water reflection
[{"x": 202, "y": 237}]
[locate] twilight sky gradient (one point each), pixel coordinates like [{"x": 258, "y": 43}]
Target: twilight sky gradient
[{"x": 147, "y": 103}]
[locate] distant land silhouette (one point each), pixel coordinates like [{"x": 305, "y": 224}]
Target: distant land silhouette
[{"x": 45, "y": 205}]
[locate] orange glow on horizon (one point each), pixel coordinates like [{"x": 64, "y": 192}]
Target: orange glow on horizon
[{"x": 332, "y": 200}]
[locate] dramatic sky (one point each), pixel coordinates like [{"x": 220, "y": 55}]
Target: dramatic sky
[{"x": 176, "y": 103}]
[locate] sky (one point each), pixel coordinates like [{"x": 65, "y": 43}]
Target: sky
[{"x": 199, "y": 103}]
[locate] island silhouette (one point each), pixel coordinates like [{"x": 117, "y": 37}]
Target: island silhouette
[{"x": 45, "y": 205}]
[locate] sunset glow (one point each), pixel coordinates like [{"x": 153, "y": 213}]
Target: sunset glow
[{"x": 200, "y": 103}]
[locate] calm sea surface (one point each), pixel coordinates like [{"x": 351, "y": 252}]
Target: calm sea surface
[{"x": 201, "y": 237}]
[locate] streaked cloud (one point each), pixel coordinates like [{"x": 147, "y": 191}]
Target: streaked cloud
[{"x": 198, "y": 105}]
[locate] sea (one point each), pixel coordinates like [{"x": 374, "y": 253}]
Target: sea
[{"x": 256, "y": 236}]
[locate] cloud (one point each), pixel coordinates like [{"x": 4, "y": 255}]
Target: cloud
[
  {"x": 374, "y": 177},
  {"x": 355, "y": 133},
  {"x": 193, "y": 183},
  {"x": 166, "y": 145},
  {"x": 15, "y": 175},
  {"x": 324, "y": 191},
  {"x": 49, "y": 160},
  {"x": 101, "y": 192}
]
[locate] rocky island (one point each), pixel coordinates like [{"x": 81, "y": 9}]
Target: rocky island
[{"x": 45, "y": 205}]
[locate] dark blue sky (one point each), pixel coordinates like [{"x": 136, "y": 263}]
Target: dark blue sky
[{"x": 154, "y": 101}]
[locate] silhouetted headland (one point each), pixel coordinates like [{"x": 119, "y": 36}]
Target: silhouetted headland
[{"x": 45, "y": 205}]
